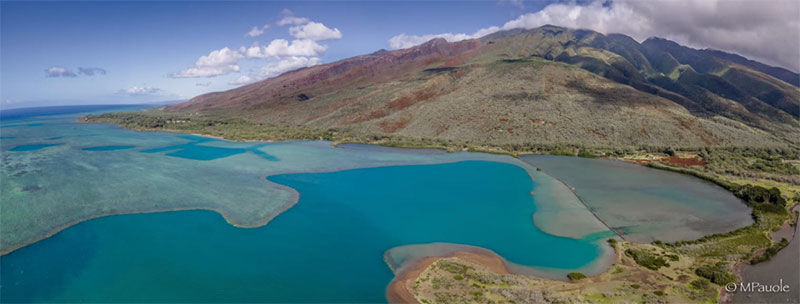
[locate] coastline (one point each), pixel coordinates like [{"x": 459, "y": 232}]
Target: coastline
[
  {"x": 406, "y": 275},
  {"x": 739, "y": 268},
  {"x": 399, "y": 291},
  {"x": 226, "y": 217},
  {"x": 580, "y": 199},
  {"x": 294, "y": 194}
]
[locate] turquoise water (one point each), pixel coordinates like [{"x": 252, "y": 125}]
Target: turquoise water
[
  {"x": 344, "y": 208},
  {"x": 109, "y": 148},
  {"x": 648, "y": 204},
  {"x": 327, "y": 248}
]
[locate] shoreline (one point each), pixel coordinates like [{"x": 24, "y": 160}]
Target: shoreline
[
  {"x": 294, "y": 200},
  {"x": 738, "y": 268},
  {"x": 398, "y": 289},
  {"x": 226, "y": 217},
  {"x": 580, "y": 199},
  {"x": 494, "y": 262}
]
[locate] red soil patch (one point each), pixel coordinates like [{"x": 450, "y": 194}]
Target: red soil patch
[
  {"x": 394, "y": 126},
  {"x": 684, "y": 162},
  {"x": 598, "y": 133},
  {"x": 401, "y": 103},
  {"x": 407, "y": 101}
]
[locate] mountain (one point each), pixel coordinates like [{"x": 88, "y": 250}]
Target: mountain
[{"x": 544, "y": 85}]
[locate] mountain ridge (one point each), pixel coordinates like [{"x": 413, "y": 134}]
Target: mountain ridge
[{"x": 450, "y": 90}]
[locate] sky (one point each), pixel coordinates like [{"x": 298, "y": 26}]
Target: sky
[{"x": 60, "y": 53}]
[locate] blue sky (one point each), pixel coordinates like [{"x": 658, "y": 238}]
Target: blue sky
[
  {"x": 140, "y": 44},
  {"x": 153, "y": 51}
]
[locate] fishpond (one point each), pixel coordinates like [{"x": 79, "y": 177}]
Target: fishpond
[{"x": 299, "y": 221}]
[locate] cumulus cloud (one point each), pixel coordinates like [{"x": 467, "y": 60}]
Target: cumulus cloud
[
  {"x": 257, "y": 31},
  {"x": 140, "y": 91},
  {"x": 244, "y": 79},
  {"x": 403, "y": 41},
  {"x": 303, "y": 47},
  {"x": 315, "y": 31},
  {"x": 284, "y": 48},
  {"x": 287, "y": 64},
  {"x": 219, "y": 62},
  {"x": 58, "y": 71},
  {"x": 275, "y": 68},
  {"x": 280, "y": 55},
  {"x": 768, "y": 32},
  {"x": 91, "y": 71}
]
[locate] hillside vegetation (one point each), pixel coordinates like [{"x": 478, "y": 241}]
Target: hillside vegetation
[{"x": 548, "y": 85}]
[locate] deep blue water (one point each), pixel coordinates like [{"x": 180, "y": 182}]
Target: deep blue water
[
  {"x": 33, "y": 147},
  {"x": 327, "y": 248},
  {"x": 22, "y": 113},
  {"x": 195, "y": 151},
  {"x": 109, "y": 148}
]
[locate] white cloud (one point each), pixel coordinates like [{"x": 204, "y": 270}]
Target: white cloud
[
  {"x": 218, "y": 62},
  {"x": 287, "y": 64},
  {"x": 203, "y": 84},
  {"x": 284, "y": 48},
  {"x": 292, "y": 20},
  {"x": 275, "y": 68},
  {"x": 403, "y": 41},
  {"x": 254, "y": 51},
  {"x": 315, "y": 31},
  {"x": 59, "y": 71},
  {"x": 244, "y": 79},
  {"x": 300, "y": 47},
  {"x": 257, "y": 31},
  {"x": 768, "y": 32},
  {"x": 140, "y": 91},
  {"x": 282, "y": 55},
  {"x": 221, "y": 57}
]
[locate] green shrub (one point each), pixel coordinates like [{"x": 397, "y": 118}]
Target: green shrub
[
  {"x": 587, "y": 154},
  {"x": 701, "y": 284},
  {"x": 576, "y": 276},
  {"x": 770, "y": 252},
  {"x": 673, "y": 257},
  {"x": 452, "y": 267},
  {"x": 717, "y": 274},
  {"x": 758, "y": 194},
  {"x": 646, "y": 259}
]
